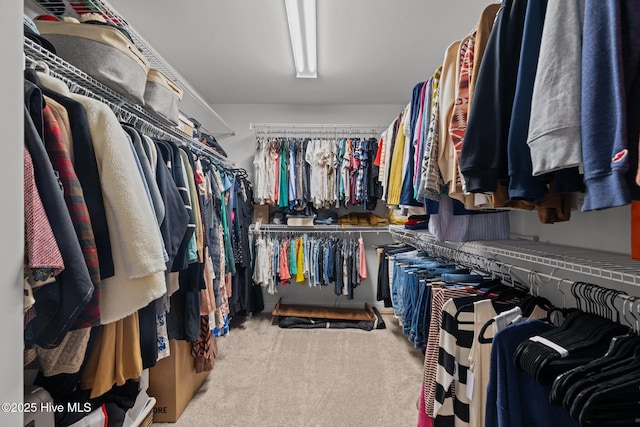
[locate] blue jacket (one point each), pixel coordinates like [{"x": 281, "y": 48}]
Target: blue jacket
[
  {"x": 407, "y": 193},
  {"x": 610, "y": 62},
  {"x": 522, "y": 183},
  {"x": 514, "y": 399}
]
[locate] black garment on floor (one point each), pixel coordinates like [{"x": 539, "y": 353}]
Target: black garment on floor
[{"x": 292, "y": 322}]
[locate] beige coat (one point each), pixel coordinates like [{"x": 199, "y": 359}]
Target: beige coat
[{"x": 135, "y": 241}]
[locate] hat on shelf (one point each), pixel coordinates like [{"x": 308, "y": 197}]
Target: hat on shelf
[
  {"x": 31, "y": 32},
  {"x": 278, "y": 218},
  {"x": 327, "y": 217},
  {"x": 211, "y": 142}
]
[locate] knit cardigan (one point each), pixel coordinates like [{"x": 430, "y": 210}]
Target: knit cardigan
[{"x": 137, "y": 249}]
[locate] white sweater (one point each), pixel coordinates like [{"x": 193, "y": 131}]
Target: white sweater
[{"x": 135, "y": 242}]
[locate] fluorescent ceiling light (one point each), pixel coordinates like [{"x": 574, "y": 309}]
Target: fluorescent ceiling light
[{"x": 301, "y": 15}]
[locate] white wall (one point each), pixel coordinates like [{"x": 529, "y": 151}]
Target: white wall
[
  {"x": 241, "y": 147},
  {"x": 11, "y": 226},
  {"x": 607, "y": 230}
]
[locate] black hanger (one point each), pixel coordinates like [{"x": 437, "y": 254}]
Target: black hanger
[
  {"x": 576, "y": 393},
  {"x": 609, "y": 379},
  {"x": 612, "y": 403},
  {"x": 621, "y": 347},
  {"x": 581, "y": 335},
  {"x": 620, "y": 362}
]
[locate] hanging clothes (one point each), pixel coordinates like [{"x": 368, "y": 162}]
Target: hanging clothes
[
  {"x": 397, "y": 161},
  {"x": 448, "y": 84},
  {"x": 317, "y": 261},
  {"x": 323, "y": 173},
  {"x": 194, "y": 217},
  {"x": 431, "y": 180}
]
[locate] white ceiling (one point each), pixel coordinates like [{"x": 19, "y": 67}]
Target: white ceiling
[{"x": 238, "y": 51}]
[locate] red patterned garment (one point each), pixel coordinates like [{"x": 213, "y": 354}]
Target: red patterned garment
[
  {"x": 459, "y": 117},
  {"x": 205, "y": 348},
  {"x": 42, "y": 252},
  {"x": 74, "y": 198}
]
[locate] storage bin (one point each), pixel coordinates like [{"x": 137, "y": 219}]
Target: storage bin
[
  {"x": 185, "y": 125},
  {"x": 163, "y": 96},
  {"x": 173, "y": 382},
  {"x": 101, "y": 51}
]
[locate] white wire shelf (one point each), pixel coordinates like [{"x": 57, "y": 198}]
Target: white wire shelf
[
  {"x": 320, "y": 228},
  {"x": 75, "y": 8},
  {"x": 328, "y": 129},
  {"x": 126, "y": 110},
  {"x": 551, "y": 258}
]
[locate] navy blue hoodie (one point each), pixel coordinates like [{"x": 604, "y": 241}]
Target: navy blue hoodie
[
  {"x": 610, "y": 64},
  {"x": 483, "y": 159}
]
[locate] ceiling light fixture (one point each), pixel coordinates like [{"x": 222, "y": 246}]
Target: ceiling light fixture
[{"x": 301, "y": 15}]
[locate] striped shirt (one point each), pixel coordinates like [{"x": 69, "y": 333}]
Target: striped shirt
[
  {"x": 451, "y": 405},
  {"x": 438, "y": 301}
]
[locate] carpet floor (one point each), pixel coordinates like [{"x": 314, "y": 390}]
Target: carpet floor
[{"x": 273, "y": 377}]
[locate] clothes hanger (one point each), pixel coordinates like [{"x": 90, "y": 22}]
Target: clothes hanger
[
  {"x": 606, "y": 381},
  {"x": 579, "y": 331},
  {"x": 528, "y": 304},
  {"x": 507, "y": 287},
  {"x": 500, "y": 295},
  {"x": 39, "y": 66},
  {"x": 499, "y": 307},
  {"x": 619, "y": 359},
  {"x": 613, "y": 405},
  {"x": 620, "y": 348}
]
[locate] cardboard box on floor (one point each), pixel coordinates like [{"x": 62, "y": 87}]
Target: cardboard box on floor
[{"x": 174, "y": 382}]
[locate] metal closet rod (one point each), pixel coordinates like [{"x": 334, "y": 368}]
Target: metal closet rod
[
  {"x": 318, "y": 228},
  {"x": 534, "y": 279},
  {"x": 595, "y": 264},
  {"x": 325, "y": 128}
]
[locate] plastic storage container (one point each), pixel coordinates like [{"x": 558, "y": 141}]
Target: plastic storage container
[
  {"x": 162, "y": 96},
  {"x": 101, "y": 51}
]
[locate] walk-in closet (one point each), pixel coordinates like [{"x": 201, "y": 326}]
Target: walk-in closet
[{"x": 319, "y": 213}]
